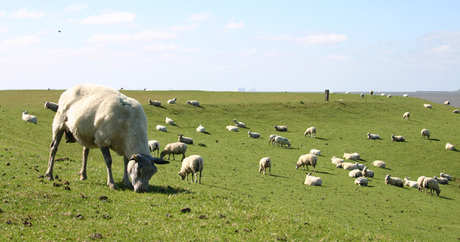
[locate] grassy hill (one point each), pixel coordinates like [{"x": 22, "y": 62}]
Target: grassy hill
[{"x": 234, "y": 201}]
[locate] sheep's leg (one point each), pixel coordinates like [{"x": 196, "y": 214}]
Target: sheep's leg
[
  {"x": 270, "y": 170},
  {"x": 183, "y": 157},
  {"x": 108, "y": 162},
  {"x": 200, "y": 178},
  {"x": 84, "y": 163},
  {"x": 174, "y": 158},
  {"x": 53, "y": 151},
  {"x": 126, "y": 180}
]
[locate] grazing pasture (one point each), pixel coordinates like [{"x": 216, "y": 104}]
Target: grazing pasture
[{"x": 234, "y": 201}]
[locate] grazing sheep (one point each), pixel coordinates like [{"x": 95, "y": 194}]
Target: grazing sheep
[
  {"x": 51, "y": 106},
  {"x": 361, "y": 95},
  {"x": 183, "y": 139},
  {"x": 174, "y": 149},
  {"x": 160, "y": 128},
  {"x": 456, "y": 111},
  {"x": 193, "y": 103},
  {"x": 446, "y": 176},
  {"x": 406, "y": 115},
  {"x": 313, "y": 180},
  {"x": 398, "y": 138},
  {"x": 311, "y": 131},
  {"x": 355, "y": 173},
  {"x": 282, "y": 142},
  {"x": 441, "y": 180},
  {"x": 265, "y": 163},
  {"x": 432, "y": 184},
  {"x": 315, "y": 152},
  {"x": 368, "y": 173},
  {"x": 154, "y": 145},
  {"x": 425, "y": 133},
  {"x": 379, "y": 163},
  {"x": 389, "y": 95},
  {"x": 29, "y": 118},
  {"x": 192, "y": 164},
  {"x": 373, "y": 136},
  {"x": 446, "y": 103},
  {"x": 169, "y": 121},
  {"x": 347, "y": 166},
  {"x": 232, "y": 128},
  {"x": 450, "y": 146},
  {"x": 96, "y": 116},
  {"x": 394, "y": 181},
  {"x": 409, "y": 183},
  {"x": 271, "y": 139},
  {"x": 200, "y": 129},
  {"x": 253, "y": 134},
  {"x": 426, "y": 105},
  {"x": 361, "y": 181},
  {"x": 371, "y": 92},
  {"x": 155, "y": 103},
  {"x": 172, "y": 101},
  {"x": 239, "y": 124},
  {"x": 280, "y": 128},
  {"x": 306, "y": 160},
  {"x": 351, "y": 156},
  {"x": 336, "y": 160},
  {"x": 420, "y": 182}
]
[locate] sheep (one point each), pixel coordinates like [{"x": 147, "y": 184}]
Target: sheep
[
  {"x": 432, "y": 184},
  {"x": 456, "y": 111},
  {"x": 315, "y": 152},
  {"x": 239, "y": 124},
  {"x": 361, "y": 95},
  {"x": 155, "y": 103},
  {"x": 192, "y": 164},
  {"x": 336, "y": 160},
  {"x": 361, "y": 181},
  {"x": 441, "y": 180},
  {"x": 405, "y": 95},
  {"x": 154, "y": 145},
  {"x": 420, "y": 182},
  {"x": 282, "y": 142},
  {"x": 389, "y": 95},
  {"x": 351, "y": 156},
  {"x": 425, "y": 133},
  {"x": 172, "y": 101},
  {"x": 382, "y": 94},
  {"x": 193, "y": 103},
  {"x": 271, "y": 139},
  {"x": 183, "y": 139},
  {"x": 446, "y": 103},
  {"x": 371, "y": 92},
  {"x": 200, "y": 129},
  {"x": 265, "y": 163},
  {"x": 313, "y": 180},
  {"x": 232, "y": 128},
  {"x": 174, "y": 149},
  {"x": 253, "y": 134},
  {"x": 280, "y": 128},
  {"x": 96, "y": 116},
  {"x": 347, "y": 166},
  {"x": 169, "y": 121},
  {"x": 406, "y": 115},
  {"x": 51, "y": 106},
  {"x": 373, "y": 136},
  {"x": 311, "y": 131},
  {"x": 379, "y": 163},
  {"x": 446, "y": 176},
  {"x": 355, "y": 173},
  {"x": 368, "y": 173},
  {"x": 450, "y": 146},
  {"x": 398, "y": 138},
  {"x": 29, "y": 118},
  {"x": 426, "y": 105},
  {"x": 161, "y": 128},
  {"x": 394, "y": 181},
  {"x": 306, "y": 160},
  {"x": 409, "y": 183}
]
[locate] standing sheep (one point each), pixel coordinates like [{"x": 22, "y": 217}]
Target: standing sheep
[
  {"x": 271, "y": 139},
  {"x": 155, "y": 103},
  {"x": 361, "y": 181},
  {"x": 306, "y": 160},
  {"x": 394, "y": 181},
  {"x": 174, "y": 149},
  {"x": 265, "y": 163},
  {"x": 29, "y": 118},
  {"x": 154, "y": 145},
  {"x": 313, "y": 180},
  {"x": 183, "y": 139},
  {"x": 398, "y": 138},
  {"x": 450, "y": 146},
  {"x": 311, "y": 131},
  {"x": 406, "y": 115},
  {"x": 280, "y": 128},
  {"x": 51, "y": 106},
  {"x": 101, "y": 117},
  {"x": 425, "y": 133},
  {"x": 420, "y": 182},
  {"x": 253, "y": 134},
  {"x": 409, "y": 183},
  {"x": 282, "y": 142},
  {"x": 192, "y": 164},
  {"x": 432, "y": 184}
]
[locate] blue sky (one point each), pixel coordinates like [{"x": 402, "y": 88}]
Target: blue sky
[{"x": 296, "y": 46}]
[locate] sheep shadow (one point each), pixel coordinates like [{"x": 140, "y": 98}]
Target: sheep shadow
[
  {"x": 278, "y": 176},
  {"x": 322, "y": 172},
  {"x": 434, "y": 140},
  {"x": 206, "y": 132},
  {"x": 167, "y": 190}
]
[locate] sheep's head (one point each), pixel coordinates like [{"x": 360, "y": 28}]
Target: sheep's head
[
  {"x": 140, "y": 169},
  {"x": 182, "y": 175}
]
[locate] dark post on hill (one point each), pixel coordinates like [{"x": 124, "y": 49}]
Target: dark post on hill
[{"x": 326, "y": 94}]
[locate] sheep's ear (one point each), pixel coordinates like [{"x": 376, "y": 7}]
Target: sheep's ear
[{"x": 159, "y": 161}]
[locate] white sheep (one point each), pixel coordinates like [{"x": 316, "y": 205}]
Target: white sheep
[
  {"x": 368, "y": 173},
  {"x": 456, "y": 111},
  {"x": 51, "y": 106},
  {"x": 155, "y": 103},
  {"x": 348, "y": 166},
  {"x": 450, "y": 146},
  {"x": 360, "y": 166},
  {"x": 373, "y": 136},
  {"x": 282, "y": 142},
  {"x": 361, "y": 95},
  {"x": 192, "y": 164},
  {"x": 253, "y": 134},
  {"x": 172, "y": 101},
  {"x": 160, "y": 128},
  {"x": 361, "y": 181},
  {"x": 425, "y": 133},
  {"x": 29, "y": 118},
  {"x": 239, "y": 124},
  {"x": 398, "y": 138},
  {"x": 174, "y": 149},
  {"x": 409, "y": 183},
  {"x": 200, "y": 129},
  {"x": 154, "y": 145},
  {"x": 313, "y": 180},
  {"x": 426, "y": 105},
  {"x": 232, "y": 128},
  {"x": 271, "y": 139},
  {"x": 382, "y": 94},
  {"x": 432, "y": 184},
  {"x": 280, "y": 128},
  {"x": 193, "y": 103},
  {"x": 420, "y": 182},
  {"x": 405, "y": 95},
  {"x": 389, "y": 95},
  {"x": 379, "y": 163},
  {"x": 306, "y": 160},
  {"x": 394, "y": 181},
  {"x": 265, "y": 163},
  {"x": 441, "y": 180},
  {"x": 446, "y": 176},
  {"x": 351, "y": 156},
  {"x": 406, "y": 115},
  {"x": 315, "y": 152},
  {"x": 101, "y": 117},
  {"x": 355, "y": 173},
  {"x": 446, "y": 103},
  {"x": 371, "y": 92},
  {"x": 311, "y": 131},
  {"x": 183, "y": 139},
  {"x": 169, "y": 121},
  {"x": 336, "y": 160}
]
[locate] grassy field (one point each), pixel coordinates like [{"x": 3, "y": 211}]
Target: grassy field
[{"x": 234, "y": 201}]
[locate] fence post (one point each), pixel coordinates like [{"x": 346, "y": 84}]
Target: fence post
[{"x": 326, "y": 95}]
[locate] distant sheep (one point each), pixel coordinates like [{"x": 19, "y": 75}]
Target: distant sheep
[
  {"x": 355, "y": 173},
  {"x": 379, "y": 163},
  {"x": 336, "y": 160},
  {"x": 200, "y": 129},
  {"x": 405, "y": 95},
  {"x": 398, "y": 138},
  {"x": 160, "y": 128},
  {"x": 311, "y": 131},
  {"x": 265, "y": 163},
  {"x": 371, "y": 92},
  {"x": 169, "y": 121},
  {"x": 450, "y": 146},
  {"x": 232, "y": 128},
  {"x": 348, "y": 166},
  {"x": 420, "y": 182},
  {"x": 154, "y": 145},
  {"x": 368, "y": 173},
  {"x": 155, "y": 103},
  {"x": 456, "y": 111},
  {"x": 361, "y": 95},
  {"x": 306, "y": 160},
  {"x": 51, "y": 106},
  {"x": 183, "y": 139},
  {"x": 29, "y": 118},
  {"x": 351, "y": 156},
  {"x": 315, "y": 152},
  {"x": 174, "y": 149},
  {"x": 192, "y": 164},
  {"x": 280, "y": 128},
  {"x": 432, "y": 184},
  {"x": 446, "y": 103},
  {"x": 394, "y": 181},
  {"x": 406, "y": 115},
  {"x": 425, "y": 133},
  {"x": 361, "y": 181},
  {"x": 426, "y": 105},
  {"x": 389, "y": 95},
  {"x": 373, "y": 136},
  {"x": 409, "y": 183},
  {"x": 282, "y": 142},
  {"x": 271, "y": 139},
  {"x": 253, "y": 134},
  {"x": 239, "y": 124},
  {"x": 172, "y": 101},
  {"x": 193, "y": 103},
  {"x": 313, "y": 180},
  {"x": 441, "y": 180},
  {"x": 446, "y": 176}
]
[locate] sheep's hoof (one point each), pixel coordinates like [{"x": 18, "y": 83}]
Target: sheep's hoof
[
  {"x": 112, "y": 186},
  {"x": 49, "y": 177},
  {"x": 83, "y": 177}
]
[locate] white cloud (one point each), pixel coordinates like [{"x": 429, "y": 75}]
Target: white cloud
[
  {"x": 109, "y": 18},
  {"x": 336, "y": 57},
  {"x": 190, "y": 27},
  {"x": 200, "y": 17},
  {"x": 152, "y": 34},
  {"x": 2, "y": 13},
  {"x": 277, "y": 38},
  {"x": 76, "y": 7},
  {"x": 25, "y": 13},
  {"x": 162, "y": 47},
  {"x": 322, "y": 39},
  {"x": 234, "y": 25},
  {"x": 18, "y": 42},
  {"x": 3, "y": 28},
  {"x": 109, "y": 38},
  {"x": 441, "y": 48}
]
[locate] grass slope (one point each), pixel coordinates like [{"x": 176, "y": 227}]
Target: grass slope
[{"x": 234, "y": 201}]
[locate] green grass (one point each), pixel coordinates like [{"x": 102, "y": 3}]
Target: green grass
[{"x": 234, "y": 201}]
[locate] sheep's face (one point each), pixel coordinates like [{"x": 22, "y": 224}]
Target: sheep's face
[
  {"x": 182, "y": 175},
  {"x": 140, "y": 169}
]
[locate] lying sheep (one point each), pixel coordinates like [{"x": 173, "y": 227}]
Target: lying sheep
[
  {"x": 389, "y": 95},
  {"x": 200, "y": 129},
  {"x": 311, "y": 131},
  {"x": 282, "y": 142},
  {"x": 446, "y": 176},
  {"x": 348, "y": 166},
  {"x": 183, "y": 139},
  {"x": 232, "y": 128},
  {"x": 154, "y": 145},
  {"x": 355, "y": 173},
  {"x": 441, "y": 180},
  {"x": 306, "y": 160},
  {"x": 361, "y": 181},
  {"x": 169, "y": 121},
  {"x": 379, "y": 163},
  {"x": 193, "y": 103},
  {"x": 351, "y": 156},
  {"x": 315, "y": 152},
  {"x": 420, "y": 182},
  {"x": 29, "y": 118},
  {"x": 405, "y": 95},
  {"x": 174, "y": 149},
  {"x": 192, "y": 164},
  {"x": 426, "y": 105},
  {"x": 446, "y": 103},
  {"x": 425, "y": 133},
  {"x": 373, "y": 136},
  {"x": 239, "y": 124},
  {"x": 313, "y": 180},
  {"x": 253, "y": 134},
  {"x": 280, "y": 128},
  {"x": 155, "y": 103},
  {"x": 336, "y": 160},
  {"x": 265, "y": 163},
  {"x": 160, "y": 128},
  {"x": 406, "y": 115},
  {"x": 271, "y": 139},
  {"x": 456, "y": 111},
  {"x": 432, "y": 184},
  {"x": 398, "y": 138},
  {"x": 394, "y": 181},
  {"x": 172, "y": 101},
  {"x": 51, "y": 106},
  {"x": 368, "y": 173},
  {"x": 450, "y": 146},
  {"x": 409, "y": 183}
]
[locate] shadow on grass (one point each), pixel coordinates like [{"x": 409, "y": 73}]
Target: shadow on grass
[
  {"x": 434, "y": 139},
  {"x": 322, "y": 172},
  {"x": 206, "y": 132},
  {"x": 225, "y": 188},
  {"x": 278, "y": 176},
  {"x": 166, "y": 190}
]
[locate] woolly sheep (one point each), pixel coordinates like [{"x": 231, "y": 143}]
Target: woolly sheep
[
  {"x": 446, "y": 103},
  {"x": 193, "y": 103},
  {"x": 394, "y": 181},
  {"x": 382, "y": 94},
  {"x": 441, "y": 180},
  {"x": 373, "y": 136},
  {"x": 232, "y": 128},
  {"x": 361, "y": 181},
  {"x": 389, "y": 95},
  {"x": 313, "y": 180},
  {"x": 409, "y": 183},
  {"x": 172, "y": 101},
  {"x": 398, "y": 138},
  {"x": 265, "y": 163},
  {"x": 280, "y": 128},
  {"x": 355, "y": 173},
  {"x": 368, "y": 173},
  {"x": 425, "y": 133},
  {"x": 351, "y": 156},
  {"x": 446, "y": 176},
  {"x": 282, "y": 142},
  {"x": 426, "y": 105},
  {"x": 311, "y": 131},
  {"x": 271, "y": 139},
  {"x": 336, "y": 160},
  {"x": 155, "y": 103},
  {"x": 200, "y": 129},
  {"x": 450, "y": 146},
  {"x": 347, "y": 166},
  {"x": 239, "y": 124},
  {"x": 51, "y": 106},
  {"x": 96, "y": 116},
  {"x": 456, "y": 111},
  {"x": 29, "y": 118},
  {"x": 406, "y": 115},
  {"x": 169, "y": 121},
  {"x": 253, "y": 134},
  {"x": 174, "y": 149},
  {"x": 361, "y": 95},
  {"x": 306, "y": 160},
  {"x": 379, "y": 163},
  {"x": 315, "y": 152},
  {"x": 192, "y": 164},
  {"x": 154, "y": 145},
  {"x": 160, "y": 128},
  {"x": 371, "y": 92},
  {"x": 420, "y": 182},
  {"x": 405, "y": 95},
  {"x": 432, "y": 184},
  {"x": 183, "y": 139}
]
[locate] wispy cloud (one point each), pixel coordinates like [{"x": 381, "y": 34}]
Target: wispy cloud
[
  {"x": 153, "y": 34},
  {"x": 200, "y": 17},
  {"x": 234, "y": 25},
  {"x": 2, "y": 13},
  {"x": 18, "y": 42},
  {"x": 336, "y": 57},
  {"x": 146, "y": 35},
  {"x": 441, "y": 48},
  {"x": 276, "y": 38},
  {"x": 110, "y": 38},
  {"x": 322, "y": 39},
  {"x": 76, "y": 7},
  {"x": 25, "y": 13},
  {"x": 109, "y": 18}
]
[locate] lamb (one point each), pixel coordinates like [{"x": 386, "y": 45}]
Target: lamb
[
  {"x": 200, "y": 129},
  {"x": 280, "y": 128},
  {"x": 406, "y": 115},
  {"x": 456, "y": 111},
  {"x": 432, "y": 184},
  {"x": 409, "y": 183},
  {"x": 426, "y": 105},
  {"x": 361, "y": 181},
  {"x": 446, "y": 176},
  {"x": 172, "y": 101},
  {"x": 442, "y": 180},
  {"x": 311, "y": 131},
  {"x": 379, "y": 163},
  {"x": 351, "y": 156},
  {"x": 394, "y": 181},
  {"x": 348, "y": 166},
  {"x": 51, "y": 106},
  {"x": 315, "y": 152},
  {"x": 232, "y": 128},
  {"x": 450, "y": 146},
  {"x": 336, "y": 160},
  {"x": 154, "y": 145},
  {"x": 169, "y": 121},
  {"x": 420, "y": 182},
  {"x": 160, "y": 128},
  {"x": 265, "y": 163},
  {"x": 183, "y": 139},
  {"x": 239, "y": 124},
  {"x": 313, "y": 180},
  {"x": 253, "y": 134},
  {"x": 355, "y": 173},
  {"x": 425, "y": 133},
  {"x": 174, "y": 149},
  {"x": 193, "y": 103},
  {"x": 306, "y": 160},
  {"x": 446, "y": 103},
  {"x": 96, "y": 116},
  {"x": 29, "y": 118},
  {"x": 398, "y": 138},
  {"x": 373, "y": 136},
  {"x": 155, "y": 103},
  {"x": 368, "y": 173},
  {"x": 282, "y": 142},
  {"x": 192, "y": 164}
]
